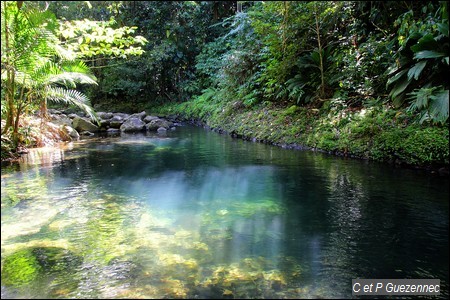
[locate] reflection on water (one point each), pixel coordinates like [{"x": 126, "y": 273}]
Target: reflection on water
[{"x": 196, "y": 214}]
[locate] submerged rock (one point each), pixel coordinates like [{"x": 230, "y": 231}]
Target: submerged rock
[{"x": 26, "y": 265}]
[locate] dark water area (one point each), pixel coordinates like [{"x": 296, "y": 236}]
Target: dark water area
[{"x": 195, "y": 214}]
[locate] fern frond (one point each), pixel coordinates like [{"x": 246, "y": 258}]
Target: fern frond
[{"x": 75, "y": 97}]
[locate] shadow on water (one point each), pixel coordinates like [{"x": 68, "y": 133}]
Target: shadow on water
[{"x": 197, "y": 215}]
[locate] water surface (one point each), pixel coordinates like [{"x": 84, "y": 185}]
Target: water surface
[{"x": 195, "y": 214}]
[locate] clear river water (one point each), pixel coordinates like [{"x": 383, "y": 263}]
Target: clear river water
[{"x": 196, "y": 214}]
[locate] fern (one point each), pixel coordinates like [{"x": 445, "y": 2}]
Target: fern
[{"x": 58, "y": 94}]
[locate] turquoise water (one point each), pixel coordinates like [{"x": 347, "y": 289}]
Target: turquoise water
[{"x": 195, "y": 214}]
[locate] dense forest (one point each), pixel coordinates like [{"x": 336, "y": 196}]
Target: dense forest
[{"x": 364, "y": 79}]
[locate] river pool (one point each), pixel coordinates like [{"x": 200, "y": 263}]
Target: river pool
[{"x": 196, "y": 214}]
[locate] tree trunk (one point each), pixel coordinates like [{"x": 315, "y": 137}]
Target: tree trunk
[
  {"x": 9, "y": 97},
  {"x": 319, "y": 43}
]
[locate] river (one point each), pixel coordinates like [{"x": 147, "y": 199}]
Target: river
[{"x": 196, "y": 214}]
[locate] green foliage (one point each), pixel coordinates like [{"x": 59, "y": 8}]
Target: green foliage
[
  {"x": 37, "y": 68},
  {"x": 422, "y": 63},
  {"x": 431, "y": 103},
  {"x": 414, "y": 145},
  {"x": 306, "y": 85},
  {"x": 87, "y": 38}
]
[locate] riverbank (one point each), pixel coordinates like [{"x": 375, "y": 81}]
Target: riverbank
[{"x": 374, "y": 133}]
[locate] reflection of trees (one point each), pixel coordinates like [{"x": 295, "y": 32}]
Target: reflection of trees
[{"x": 379, "y": 224}]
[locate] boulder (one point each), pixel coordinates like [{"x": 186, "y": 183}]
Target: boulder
[
  {"x": 147, "y": 119},
  {"x": 132, "y": 124},
  {"x": 112, "y": 130},
  {"x": 70, "y": 131},
  {"x": 105, "y": 115},
  {"x": 140, "y": 115},
  {"x": 83, "y": 124},
  {"x": 162, "y": 131},
  {"x": 60, "y": 119},
  {"x": 116, "y": 121},
  {"x": 157, "y": 123},
  {"x": 123, "y": 116},
  {"x": 104, "y": 124}
]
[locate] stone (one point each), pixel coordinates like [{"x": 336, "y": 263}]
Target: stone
[
  {"x": 83, "y": 124},
  {"x": 157, "y": 123},
  {"x": 147, "y": 119},
  {"x": 162, "y": 131},
  {"x": 105, "y": 115},
  {"x": 132, "y": 124},
  {"x": 140, "y": 115},
  {"x": 70, "y": 131}
]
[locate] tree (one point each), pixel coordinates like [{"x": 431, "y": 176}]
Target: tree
[{"x": 35, "y": 68}]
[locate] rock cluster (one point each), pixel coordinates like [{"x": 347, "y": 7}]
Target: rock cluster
[{"x": 75, "y": 125}]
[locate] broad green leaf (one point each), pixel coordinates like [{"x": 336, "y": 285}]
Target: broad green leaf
[
  {"x": 399, "y": 87},
  {"x": 396, "y": 77},
  {"x": 428, "y": 54},
  {"x": 415, "y": 71},
  {"x": 443, "y": 28},
  {"x": 426, "y": 42}
]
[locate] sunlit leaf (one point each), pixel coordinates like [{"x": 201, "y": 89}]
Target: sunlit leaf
[{"x": 428, "y": 54}]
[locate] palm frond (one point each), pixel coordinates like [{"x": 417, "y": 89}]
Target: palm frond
[{"x": 58, "y": 94}]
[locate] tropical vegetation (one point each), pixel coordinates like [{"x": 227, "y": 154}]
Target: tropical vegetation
[{"x": 359, "y": 78}]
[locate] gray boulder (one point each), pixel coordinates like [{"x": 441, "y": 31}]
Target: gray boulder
[
  {"x": 132, "y": 124},
  {"x": 116, "y": 121},
  {"x": 105, "y": 115},
  {"x": 140, "y": 115},
  {"x": 162, "y": 131},
  {"x": 123, "y": 116},
  {"x": 147, "y": 119},
  {"x": 157, "y": 123}
]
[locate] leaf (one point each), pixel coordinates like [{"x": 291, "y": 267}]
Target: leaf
[
  {"x": 426, "y": 42},
  {"x": 415, "y": 71},
  {"x": 443, "y": 28},
  {"x": 395, "y": 77},
  {"x": 439, "y": 106},
  {"x": 428, "y": 54},
  {"x": 399, "y": 88},
  {"x": 75, "y": 97}
]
